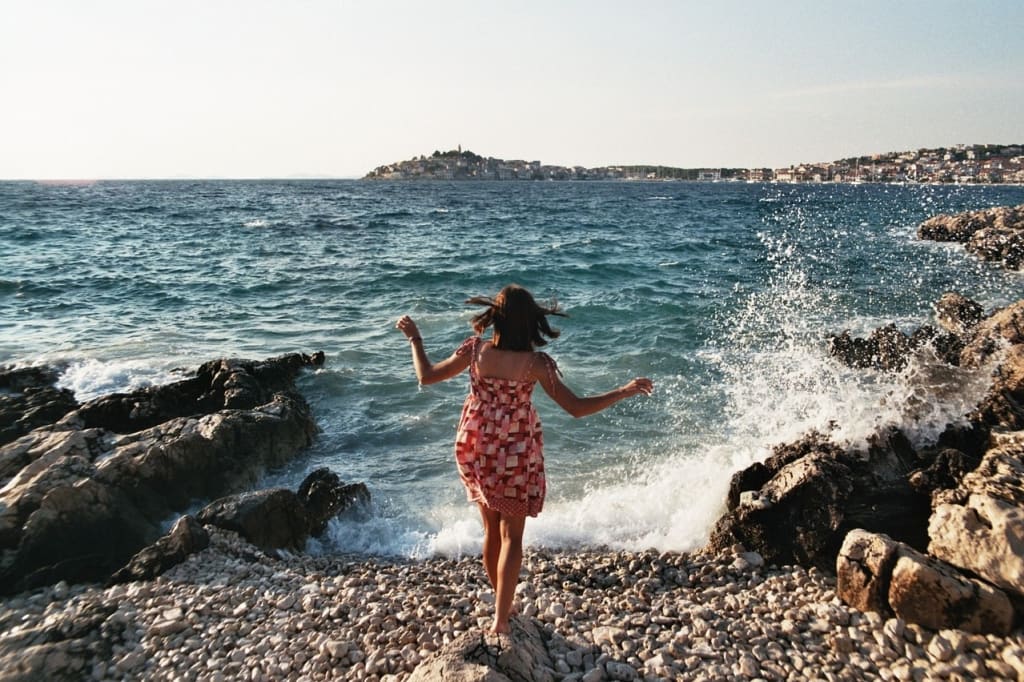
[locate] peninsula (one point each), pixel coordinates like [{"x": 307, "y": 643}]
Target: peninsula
[{"x": 962, "y": 164}]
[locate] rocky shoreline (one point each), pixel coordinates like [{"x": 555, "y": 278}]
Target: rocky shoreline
[
  {"x": 232, "y": 612},
  {"x": 897, "y": 560}
]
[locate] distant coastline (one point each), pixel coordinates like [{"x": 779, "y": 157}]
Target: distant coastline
[{"x": 961, "y": 164}]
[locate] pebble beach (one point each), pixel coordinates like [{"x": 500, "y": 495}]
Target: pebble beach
[{"x": 232, "y": 612}]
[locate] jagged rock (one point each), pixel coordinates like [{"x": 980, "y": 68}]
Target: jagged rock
[
  {"x": 947, "y": 467},
  {"x": 810, "y": 493},
  {"x": 270, "y": 519},
  {"x": 889, "y": 349},
  {"x": 994, "y": 234},
  {"x": 930, "y": 593},
  {"x": 1003, "y": 328},
  {"x": 324, "y": 495},
  {"x": 520, "y": 656},
  {"x": 863, "y": 567},
  {"x": 1004, "y": 246},
  {"x": 280, "y": 519},
  {"x": 94, "y": 488},
  {"x": 958, "y": 314},
  {"x": 979, "y": 526},
  {"x": 186, "y": 537},
  {"x": 29, "y": 398},
  {"x": 876, "y": 573},
  {"x": 959, "y": 227}
]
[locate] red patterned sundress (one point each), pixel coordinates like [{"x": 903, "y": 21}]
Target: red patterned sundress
[{"x": 499, "y": 446}]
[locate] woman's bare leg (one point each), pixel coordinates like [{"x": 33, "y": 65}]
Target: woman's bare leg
[
  {"x": 510, "y": 560},
  {"x": 492, "y": 544}
]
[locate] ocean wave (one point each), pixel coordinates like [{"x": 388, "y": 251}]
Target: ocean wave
[{"x": 91, "y": 378}]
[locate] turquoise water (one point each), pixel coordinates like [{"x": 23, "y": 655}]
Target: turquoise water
[{"x": 723, "y": 293}]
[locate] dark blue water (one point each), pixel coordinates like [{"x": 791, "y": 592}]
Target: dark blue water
[{"x": 723, "y": 293}]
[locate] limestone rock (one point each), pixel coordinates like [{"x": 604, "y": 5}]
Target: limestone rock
[
  {"x": 958, "y": 314},
  {"x": 270, "y": 519},
  {"x": 979, "y": 526},
  {"x": 877, "y": 573},
  {"x": 324, "y": 495},
  {"x": 29, "y": 398},
  {"x": 994, "y": 234},
  {"x": 932, "y": 594},
  {"x": 186, "y": 537},
  {"x": 863, "y": 568},
  {"x": 87, "y": 493},
  {"x": 810, "y": 493},
  {"x": 1003, "y": 328},
  {"x": 520, "y": 656}
]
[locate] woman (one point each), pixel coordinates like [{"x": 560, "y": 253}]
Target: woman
[{"x": 499, "y": 444}]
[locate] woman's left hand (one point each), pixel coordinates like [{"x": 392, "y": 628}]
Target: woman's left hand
[{"x": 406, "y": 325}]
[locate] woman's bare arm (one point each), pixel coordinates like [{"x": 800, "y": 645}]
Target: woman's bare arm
[
  {"x": 426, "y": 371},
  {"x": 578, "y": 406}
]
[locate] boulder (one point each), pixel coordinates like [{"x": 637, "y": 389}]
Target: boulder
[
  {"x": 979, "y": 526},
  {"x": 876, "y": 573},
  {"x": 85, "y": 494},
  {"x": 520, "y": 656},
  {"x": 863, "y": 568},
  {"x": 324, "y": 495},
  {"x": 1004, "y": 246},
  {"x": 270, "y": 519},
  {"x": 29, "y": 398},
  {"x": 958, "y": 314},
  {"x": 810, "y": 493},
  {"x": 1002, "y": 329},
  {"x": 933, "y": 594},
  {"x": 281, "y": 519},
  {"x": 889, "y": 349},
  {"x": 186, "y": 537}
]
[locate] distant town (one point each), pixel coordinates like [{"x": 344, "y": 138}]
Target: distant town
[{"x": 966, "y": 164}]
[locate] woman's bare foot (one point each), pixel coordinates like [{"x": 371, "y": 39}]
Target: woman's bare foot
[{"x": 499, "y": 628}]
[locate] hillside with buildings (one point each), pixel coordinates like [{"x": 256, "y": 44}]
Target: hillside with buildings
[{"x": 980, "y": 163}]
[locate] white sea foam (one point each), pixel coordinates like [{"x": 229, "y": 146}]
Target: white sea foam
[{"x": 90, "y": 378}]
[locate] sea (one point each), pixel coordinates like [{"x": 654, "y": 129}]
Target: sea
[{"x": 724, "y": 294}]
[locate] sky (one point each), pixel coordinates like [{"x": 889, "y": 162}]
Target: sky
[{"x": 333, "y": 88}]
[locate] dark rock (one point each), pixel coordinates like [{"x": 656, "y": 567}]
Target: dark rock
[
  {"x": 94, "y": 489},
  {"x": 186, "y": 537},
  {"x": 29, "y": 398},
  {"x": 889, "y": 349},
  {"x": 325, "y": 495},
  {"x": 958, "y": 314},
  {"x": 816, "y": 493},
  {"x": 270, "y": 519},
  {"x": 945, "y": 470}
]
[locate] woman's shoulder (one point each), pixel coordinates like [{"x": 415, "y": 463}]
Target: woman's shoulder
[{"x": 468, "y": 345}]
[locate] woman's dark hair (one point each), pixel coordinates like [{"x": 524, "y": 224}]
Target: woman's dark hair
[{"x": 519, "y": 322}]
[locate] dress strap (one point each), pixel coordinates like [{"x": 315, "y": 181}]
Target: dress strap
[
  {"x": 551, "y": 366},
  {"x": 472, "y": 347}
]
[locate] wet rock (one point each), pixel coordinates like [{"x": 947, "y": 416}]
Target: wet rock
[
  {"x": 994, "y": 234},
  {"x": 816, "y": 492},
  {"x": 29, "y": 398},
  {"x": 270, "y": 519},
  {"x": 96, "y": 486},
  {"x": 324, "y": 495},
  {"x": 958, "y": 314}
]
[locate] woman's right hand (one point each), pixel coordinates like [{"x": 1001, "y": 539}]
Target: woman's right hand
[
  {"x": 406, "y": 325},
  {"x": 638, "y": 386}
]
